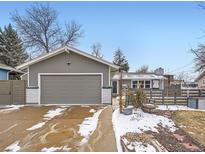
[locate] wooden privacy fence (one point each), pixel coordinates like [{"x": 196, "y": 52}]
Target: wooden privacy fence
[
  {"x": 172, "y": 96},
  {"x": 12, "y": 92}
]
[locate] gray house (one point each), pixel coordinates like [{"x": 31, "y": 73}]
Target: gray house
[
  {"x": 138, "y": 80},
  {"x": 68, "y": 76}
]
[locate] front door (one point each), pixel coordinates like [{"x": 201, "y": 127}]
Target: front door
[{"x": 114, "y": 87}]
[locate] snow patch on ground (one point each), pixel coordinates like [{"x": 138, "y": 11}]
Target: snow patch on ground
[
  {"x": 10, "y": 108},
  {"x": 173, "y": 107},
  {"x": 138, "y": 122},
  {"x": 176, "y": 107},
  {"x": 37, "y": 126},
  {"x": 142, "y": 147},
  {"x": 92, "y": 110},
  {"x": 52, "y": 113},
  {"x": 53, "y": 149},
  {"x": 14, "y": 147},
  {"x": 48, "y": 116},
  {"x": 85, "y": 106},
  {"x": 88, "y": 126}
]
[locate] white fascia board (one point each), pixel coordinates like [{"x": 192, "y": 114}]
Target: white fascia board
[
  {"x": 92, "y": 57},
  {"x": 65, "y": 49}
]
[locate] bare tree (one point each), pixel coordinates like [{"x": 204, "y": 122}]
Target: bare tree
[
  {"x": 96, "y": 50},
  {"x": 40, "y": 30},
  {"x": 199, "y": 52},
  {"x": 199, "y": 57},
  {"x": 72, "y": 34},
  {"x": 183, "y": 76},
  {"x": 143, "y": 69}
]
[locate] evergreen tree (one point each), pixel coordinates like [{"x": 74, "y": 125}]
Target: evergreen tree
[
  {"x": 120, "y": 60},
  {"x": 12, "y": 52}
]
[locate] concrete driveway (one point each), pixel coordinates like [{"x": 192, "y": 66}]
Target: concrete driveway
[{"x": 52, "y": 128}]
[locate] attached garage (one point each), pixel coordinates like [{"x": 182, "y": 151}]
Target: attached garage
[
  {"x": 68, "y": 76},
  {"x": 70, "y": 88}
]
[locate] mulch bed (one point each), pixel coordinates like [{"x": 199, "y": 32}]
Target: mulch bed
[{"x": 178, "y": 141}]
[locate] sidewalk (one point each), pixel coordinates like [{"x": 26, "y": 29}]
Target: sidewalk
[{"x": 103, "y": 139}]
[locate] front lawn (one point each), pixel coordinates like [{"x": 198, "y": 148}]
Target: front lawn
[
  {"x": 193, "y": 123},
  {"x": 164, "y": 130}
]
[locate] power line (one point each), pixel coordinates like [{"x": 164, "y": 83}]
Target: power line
[{"x": 182, "y": 67}]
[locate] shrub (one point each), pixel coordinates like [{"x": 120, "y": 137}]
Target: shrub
[{"x": 138, "y": 98}]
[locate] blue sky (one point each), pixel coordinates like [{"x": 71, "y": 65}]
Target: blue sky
[{"x": 158, "y": 34}]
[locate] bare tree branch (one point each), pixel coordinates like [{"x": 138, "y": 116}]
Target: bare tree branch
[
  {"x": 72, "y": 33},
  {"x": 40, "y": 31},
  {"x": 96, "y": 50}
]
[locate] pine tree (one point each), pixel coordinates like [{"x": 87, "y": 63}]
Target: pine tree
[
  {"x": 120, "y": 60},
  {"x": 12, "y": 52}
]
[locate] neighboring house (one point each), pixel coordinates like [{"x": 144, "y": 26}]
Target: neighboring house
[
  {"x": 201, "y": 80},
  {"x": 7, "y": 72},
  {"x": 68, "y": 76},
  {"x": 138, "y": 80}
]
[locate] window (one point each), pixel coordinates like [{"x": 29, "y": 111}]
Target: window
[
  {"x": 147, "y": 84},
  {"x": 203, "y": 82},
  {"x": 134, "y": 84},
  {"x": 155, "y": 84},
  {"x": 141, "y": 84}
]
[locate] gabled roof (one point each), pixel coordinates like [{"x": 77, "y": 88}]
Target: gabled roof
[
  {"x": 9, "y": 68},
  {"x": 65, "y": 49},
  {"x": 138, "y": 76}
]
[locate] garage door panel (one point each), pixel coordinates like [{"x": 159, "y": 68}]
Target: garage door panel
[{"x": 70, "y": 89}]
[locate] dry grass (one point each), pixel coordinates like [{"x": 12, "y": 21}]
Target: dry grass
[{"x": 192, "y": 122}]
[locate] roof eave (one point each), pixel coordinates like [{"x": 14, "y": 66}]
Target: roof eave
[{"x": 65, "y": 49}]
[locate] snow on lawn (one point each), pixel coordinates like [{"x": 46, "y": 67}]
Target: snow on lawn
[
  {"x": 13, "y": 147},
  {"x": 138, "y": 122},
  {"x": 176, "y": 107},
  {"x": 48, "y": 116},
  {"x": 9, "y": 108},
  {"x": 88, "y": 126},
  {"x": 37, "y": 126},
  {"x": 53, "y": 149}
]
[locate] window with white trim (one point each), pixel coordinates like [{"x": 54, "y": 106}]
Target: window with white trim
[
  {"x": 134, "y": 84},
  {"x": 147, "y": 84}
]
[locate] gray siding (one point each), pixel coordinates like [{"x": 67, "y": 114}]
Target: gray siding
[
  {"x": 58, "y": 64},
  {"x": 70, "y": 89}
]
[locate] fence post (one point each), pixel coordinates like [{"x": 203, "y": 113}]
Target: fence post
[
  {"x": 199, "y": 93},
  {"x": 163, "y": 96},
  {"x": 175, "y": 97},
  {"x": 11, "y": 92},
  {"x": 151, "y": 93}
]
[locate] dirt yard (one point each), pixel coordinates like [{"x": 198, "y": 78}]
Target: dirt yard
[
  {"x": 43, "y": 128},
  {"x": 193, "y": 123}
]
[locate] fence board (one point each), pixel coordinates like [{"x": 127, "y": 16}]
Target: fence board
[
  {"x": 173, "y": 96},
  {"x": 12, "y": 92}
]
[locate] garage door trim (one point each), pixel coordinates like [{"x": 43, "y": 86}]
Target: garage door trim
[{"x": 48, "y": 74}]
